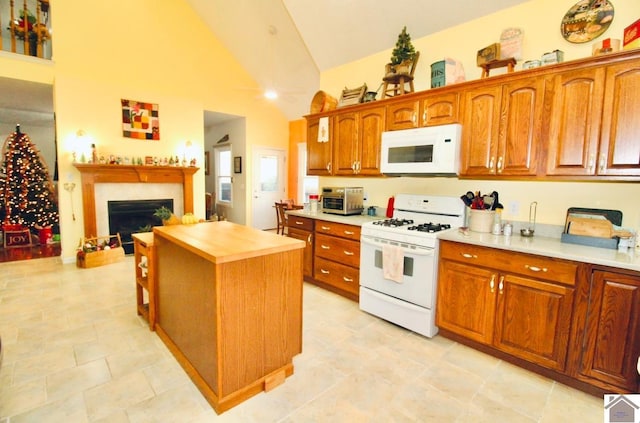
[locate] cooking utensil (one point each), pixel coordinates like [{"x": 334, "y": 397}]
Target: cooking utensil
[
  {"x": 528, "y": 232},
  {"x": 600, "y": 228}
]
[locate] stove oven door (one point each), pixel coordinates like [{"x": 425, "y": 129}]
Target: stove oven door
[{"x": 417, "y": 286}]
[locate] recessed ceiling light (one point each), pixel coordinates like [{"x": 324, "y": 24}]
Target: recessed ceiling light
[{"x": 270, "y": 94}]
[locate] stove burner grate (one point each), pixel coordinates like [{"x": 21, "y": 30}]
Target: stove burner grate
[
  {"x": 430, "y": 227},
  {"x": 394, "y": 223}
]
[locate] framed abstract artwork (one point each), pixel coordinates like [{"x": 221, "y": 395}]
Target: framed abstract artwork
[{"x": 140, "y": 120}]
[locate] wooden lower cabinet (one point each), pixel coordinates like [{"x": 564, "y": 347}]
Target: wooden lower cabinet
[
  {"x": 575, "y": 322},
  {"x": 607, "y": 332},
  {"x": 302, "y": 228},
  {"x": 507, "y": 300},
  {"x": 337, "y": 258}
]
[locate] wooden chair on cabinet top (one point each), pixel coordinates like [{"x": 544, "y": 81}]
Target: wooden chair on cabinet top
[{"x": 395, "y": 84}]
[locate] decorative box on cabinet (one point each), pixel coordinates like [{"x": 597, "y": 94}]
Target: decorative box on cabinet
[
  {"x": 337, "y": 258},
  {"x": 145, "y": 276}
]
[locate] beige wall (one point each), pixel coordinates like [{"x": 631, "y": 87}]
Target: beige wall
[
  {"x": 540, "y": 20},
  {"x": 146, "y": 50}
]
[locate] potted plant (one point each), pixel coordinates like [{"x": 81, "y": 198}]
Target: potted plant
[
  {"x": 402, "y": 56},
  {"x": 167, "y": 216}
]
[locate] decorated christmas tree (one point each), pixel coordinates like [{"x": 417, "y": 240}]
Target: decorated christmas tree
[
  {"x": 404, "y": 49},
  {"x": 26, "y": 192}
]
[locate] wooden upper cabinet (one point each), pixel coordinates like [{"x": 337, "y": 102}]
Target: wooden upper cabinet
[
  {"x": 345, "y": 143},
  {"x": 520, "y": 131},
  {"x": 620, "y": 134},
  {"x": 574, "y": 122},
  {"x": 403, "y": 115},
  {"x": 440, "y": 109},
  {"x": 370, "y": 138},
  {"x": 480, "y": 130},
  {"x": 502, "y": 128},
  {"x": 318, "y": 153}
]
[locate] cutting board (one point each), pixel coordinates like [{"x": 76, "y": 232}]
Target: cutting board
[{"x": 599, "y": 228}]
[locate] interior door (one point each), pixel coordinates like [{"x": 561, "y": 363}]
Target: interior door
[{"x": 269, "y": 186}]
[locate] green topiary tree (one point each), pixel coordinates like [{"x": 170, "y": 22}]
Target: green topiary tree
[{"x": 404, "y": 49}]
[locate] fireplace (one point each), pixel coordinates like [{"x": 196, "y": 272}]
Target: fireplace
[{"x": 131, "y": 216}]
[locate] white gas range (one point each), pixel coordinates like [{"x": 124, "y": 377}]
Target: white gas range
[{"x": 398, "y": 260}]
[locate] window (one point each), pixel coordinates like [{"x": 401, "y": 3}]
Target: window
[
  {"x": 223, "y": 174},
  {"x": 309, "y": 184}
]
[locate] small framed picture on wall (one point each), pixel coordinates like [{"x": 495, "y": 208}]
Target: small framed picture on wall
[
  {"x": 206, "y": 162},
  {"x": 237, "y": 164}
]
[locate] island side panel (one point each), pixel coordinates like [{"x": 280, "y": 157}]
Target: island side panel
[
  {"x": 187, "y": 306},
  {"x": 260, "y": 317}
]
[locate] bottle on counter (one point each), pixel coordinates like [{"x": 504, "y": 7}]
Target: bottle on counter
[
  {"x": 508, "y": 229},
  {"x": 94, "y": 154},
  {"x": 313, "y": 201}
]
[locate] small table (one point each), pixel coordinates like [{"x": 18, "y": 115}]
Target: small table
[
  {"x": 145, "y": 276},
  {"x": 509, "y": 63}
]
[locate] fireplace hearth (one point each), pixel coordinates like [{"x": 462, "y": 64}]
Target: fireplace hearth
[{"x": 131, "y": 216}]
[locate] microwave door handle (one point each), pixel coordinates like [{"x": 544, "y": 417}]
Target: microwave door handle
[{"x": 417, "y": 251}]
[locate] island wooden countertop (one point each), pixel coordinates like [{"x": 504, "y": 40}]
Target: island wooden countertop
[{"x": 222, "y": 242}]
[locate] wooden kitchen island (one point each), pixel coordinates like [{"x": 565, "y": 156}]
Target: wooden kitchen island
[{"x": 229, "y": 306}]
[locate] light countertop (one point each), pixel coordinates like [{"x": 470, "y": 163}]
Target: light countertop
[
  {"x": 221, "y": 242},
  {"x": 356, "y": 220},
  {"x": 550, "y": 247}
]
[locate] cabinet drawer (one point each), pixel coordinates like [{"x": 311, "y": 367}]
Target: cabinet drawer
[
  {"x": 338, "y": 229},
  {"x": 303, "y": 223},
  {"x": 338, "y": 275},
  {"x": 338, "y": 249},
  {"x": 546, "y": 268}
]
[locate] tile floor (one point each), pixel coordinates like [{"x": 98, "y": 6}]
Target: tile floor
[{"x": 75, "y": 351}]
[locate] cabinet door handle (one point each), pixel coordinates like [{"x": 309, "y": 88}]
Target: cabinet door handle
[
  {"x": 359, "y": 166},
  {"x": 354, "y": 167},
  {"x": 414, "y": 118},
  {"x": 469, "y": 256},
  {"x": 346, "y": 279},
  {"x": 499, "y": 165},
  {"x": 591, "y": 163},
  {"x": 326, "y": 228},
  {"x": 325, "y": 247},
  {"x": 603, "y": 162},
  {"x": 325, "y": 272},
  {"x": 348, "y": 253},
  {"x": 501, "y": 285},
  {"x": 491, "y": 163},
  {"x": 424, "y": 117},
  {"x": 349, "y": 232},
  {"x": 299, "y": 222},
  {"x": 492, "y": 284},
  {"x": 309, "y": 239},
  {"x": 535, "y": 268},
  {"x": 329, "y": 167}
]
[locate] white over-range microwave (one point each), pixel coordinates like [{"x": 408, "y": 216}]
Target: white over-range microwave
[{"x": 432, "y": 150}]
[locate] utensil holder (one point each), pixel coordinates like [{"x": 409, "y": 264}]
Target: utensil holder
[{"x": 481, "y": 220}]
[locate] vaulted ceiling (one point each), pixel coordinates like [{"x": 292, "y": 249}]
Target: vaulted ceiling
[{"x": 285, "y": 44}]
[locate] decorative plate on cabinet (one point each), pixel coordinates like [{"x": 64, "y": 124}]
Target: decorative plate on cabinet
[{"x": 586, "y": 20}]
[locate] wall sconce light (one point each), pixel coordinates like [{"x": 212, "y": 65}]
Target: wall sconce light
[{"x": 81, "y": 150}]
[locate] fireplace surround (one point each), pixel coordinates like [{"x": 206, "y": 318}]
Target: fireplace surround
[{"x": 91, "y": 175}]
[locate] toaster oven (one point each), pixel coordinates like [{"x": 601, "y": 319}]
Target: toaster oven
[{"x": 343, "y": 200}]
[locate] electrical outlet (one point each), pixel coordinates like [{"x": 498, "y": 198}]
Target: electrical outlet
[{"x": 514, "y": 208}]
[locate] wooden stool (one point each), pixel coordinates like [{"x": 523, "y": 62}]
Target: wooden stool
[
  {"x": 395, "y": 84},
  {"x": 509, "y": 63}
]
